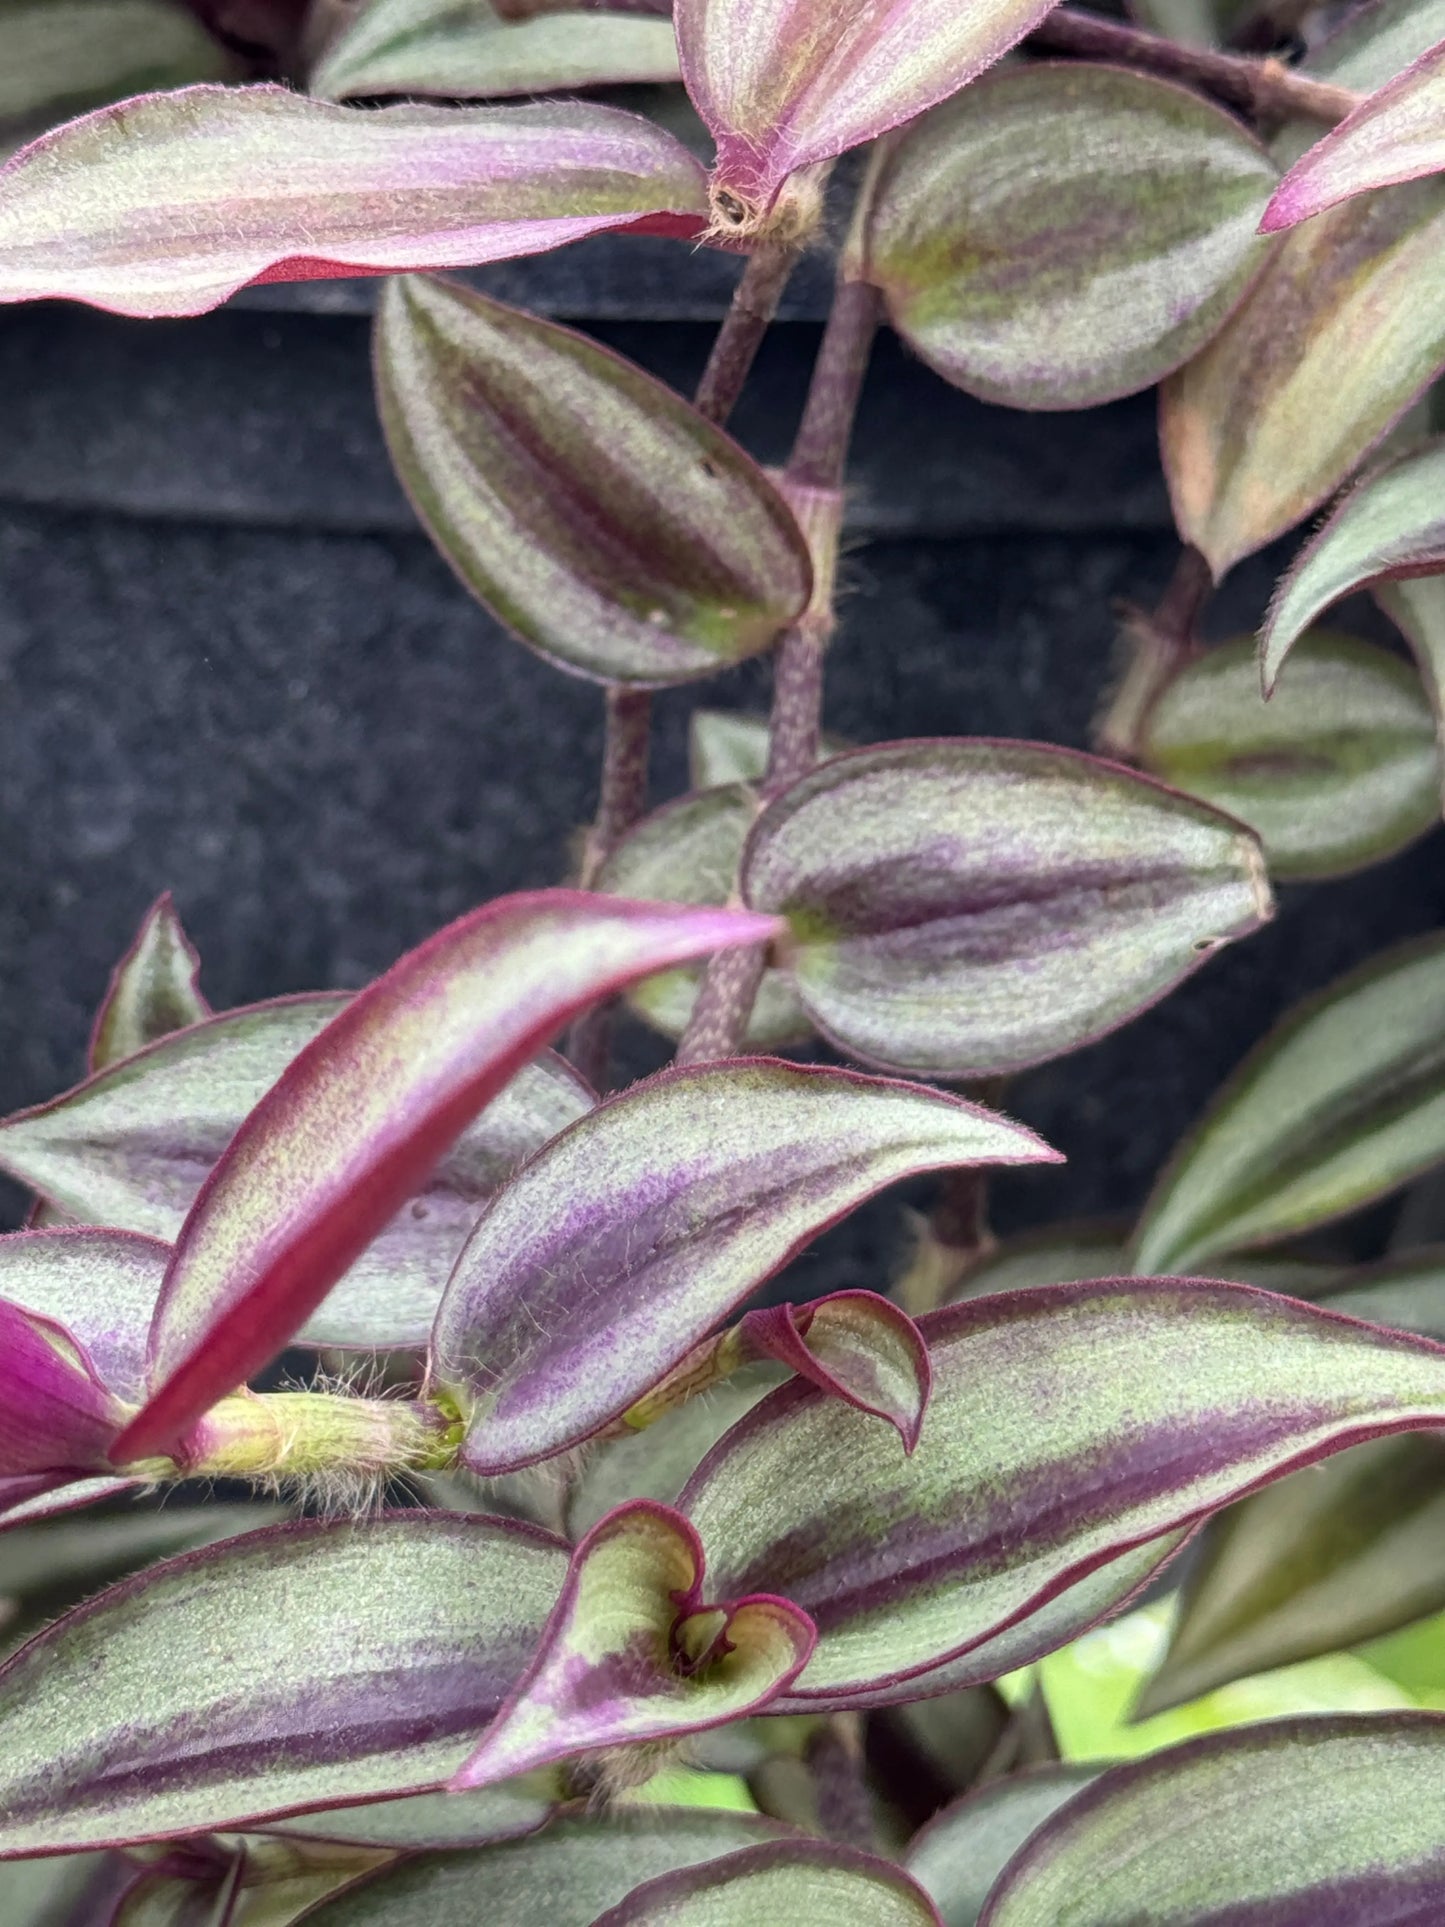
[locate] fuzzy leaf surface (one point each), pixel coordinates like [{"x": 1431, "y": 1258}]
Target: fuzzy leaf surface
[
  {"x": 1033, "y": 1470},
  {"x": 363, "y": 1114},
  {"x": 809, "y": 1883},
  {"x": 588, "y": 506},
  {"x": 168, "y": 203},
  {"x": 1339, "y": 1104},
  {"x": 963, "y": 907},
  {"x": 961, "y": 1852},
  {"x": 132, "y": 1146},
  {"x": 154, "y": 989},
  {"x": 311, "y": 1665},
  {"x": 1398, "y": 134},
  {"x": 855, "y": 1345},
  {"x": 101, "y": 1286},
  {"x": 1338, "y": 770},
  {"x": 631, "y": 1236},
  {"x": 55, "y": 1415},
  {"x": 1298, "y": 1823},
  {"x": 1091, "y": 270}
]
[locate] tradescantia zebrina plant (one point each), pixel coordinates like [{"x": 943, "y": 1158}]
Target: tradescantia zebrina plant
[{"x": 588, "y": 1582}]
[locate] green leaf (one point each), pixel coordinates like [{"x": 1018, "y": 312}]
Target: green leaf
[
  {"x": 1406, "y": 1292},
  {"x": 961, "y": 1852},
  {"x": 1323, "y": 1560},
  {"x": 589, "y": 507},
  {"x": 1394, "y": 135},
  {"x": 1339, "y": 770},
  {"x": 303, "y": 1666},
  {"x": 1084, "y": 1248},
  {"x": 153, "y": 990},
  {"x": 1344, "y": 328},
  {"x": 808, "y": 1883},
  {"x": 724, "y": 746},
  {"x": 1341, "y": 1103},
  {"x": 688, "y": 852},
  {"x": 964, "y": 907},
  {"x": 1301, "y": 1823},
  {"x": 1417, "y": 608},
  {"x": 1374, "y": 43},
  {"x": 269, "y": 1884},
  {"x": 1091, "y": 270},
  {"x": 468, "y": 50},
  {"x": 61, "y": 56}
]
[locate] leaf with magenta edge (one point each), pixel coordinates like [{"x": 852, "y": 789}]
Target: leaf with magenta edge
[
  {"x": 635, "y": 1650},
  {"x": 961, "y": 1852},
  {"x": 855, "y": 1346},
  {"x": 366, "y": 1110},
  {"x": 132, "y": 1146},
  {"x": 1327, "y": 1822},
  {"x": 1339, "y": 1104},
  {"x": 470, "y": 50},
  {"x": 625, "y": 1241},
  {"x": 809, "y": 1883},
  {"x": 169, "y": 203},
  {"x": 154, "y": 989},
  {"x": 303, "y": 1667},
  {"x": 55, "y": 1415},
  {"x": 969, "y": 906},
  {"x": 101, "y": 1286},
  {"x": 1032, "y": 1471},
  {"x": 589, "y": 507},
  {"x": 28, "y": 1499}
]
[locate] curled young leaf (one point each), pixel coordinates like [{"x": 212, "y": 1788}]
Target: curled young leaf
[
  {"x": 366, "y": 1110},
  {"x": 132, "y": 1146},
  {"x": 1339, "y": 1104},
  {"x": 55, "y": 1414},
  {"x": 101, "y": 1286},
  {"x": 1397, "y": 134},
  {"x": 1063, "y": 234},
  {"x": 855, "y": 1345},
  {"x": 689, "y": 852},
  {"x": 472, "y": 50},
  {"x": 303, "y": 1666},
  {"x": 1339, "y": 770},
  {"x": 167, "y": 204},
  {"x": 1034, "y": 1469},
  {"x": 636, "y": 1650},
  {"x": 963, "y": 907},
  {"x": 595, "y": 512},
  {"x": 1301, "y": 1823},
  {"x": 808, "y": 1883},
  {"x": 626, "y": 1240},
  {"x": 962, "y": 1851},
  {"x": 1345, "y": 326}
]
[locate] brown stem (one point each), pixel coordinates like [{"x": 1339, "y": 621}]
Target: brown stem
[
  {"x": 1161, "y": 643},
  {"x": 1265, "y": 89},
  {"x": 754, "y": 303}
]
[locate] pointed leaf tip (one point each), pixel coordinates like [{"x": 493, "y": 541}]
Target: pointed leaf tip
[
  {"x": 634, "y": 1651},
  {"x": 363, "y": 1113},
  {"x": 55, "y": 1415}
]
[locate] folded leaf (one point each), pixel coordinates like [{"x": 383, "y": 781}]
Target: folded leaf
[
  {"x": 1325, "y": 1560},
  {"x": 589, "y": 507},
  {"x": 100, "y": 1285},
  {"x": 564, "y": 1876},
  {"x": 689, "y": 852},
  {"x": 808, "y": 1883},
  {"x": 962, "y": 1851},
  {"x": 366, "y": 1110},
  {"x": 55, "y": 1415},
  {"x": 635, "y": 1650},
  {"x": 1407, "y": 1293},
  {"x": 470, "y": 50},
  {"x": 153, "y": 990},
  {"x": 63, "y": 55},
  {"x": 1339, "y": 1104},
  {"x": 167, "y": 204},
  {"x": 1345, "y": 326},
  {"x": 132, "y": 1147},
  {"x": 964, "y": 907},
  {"x": 1300, "y": 1823},
  {"x": 1398, "y": 134},
  {"x": 303, "y": 1666},
  {"x": 1034, "y": 1469},
  {"x": 1338, "y": 770},
  {"x": 621, "y": 1245},
  {"x": 854, "y": 1345},
  {"x": 1417, "y": 608},
  {"x": 784, "y": 83},
  {"x": 1063, "y": 234}
]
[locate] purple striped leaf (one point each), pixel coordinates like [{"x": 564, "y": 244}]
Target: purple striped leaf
[
  {"x": 55, "y": 1414},
  {"x": 167, "y": 204},
  {"x": 131, "y": 1147},
  {"x": 154, "y": 989},
  {"x": 1034, "y": 1469},
  {"x": 1339, "y": 770},
  {"x": 592, "y": 510},
  {"x": 305, "y": 1666},
  {"x": 564, "y": 1876},
  {"x": 101, "y": 1286},
  {"x": 854, "y": 1345},
  {"x": 1339, "y": 1104},
  {"x": 472, "y": 50},
  {"x": 963, "y": 907},
  {"x": 1398, "y": 134},
  {"x": 1296, "y": 1823},
  {"x": 782, "y": 84},
  {"x": 1416, "y": 606},
  {"x": 632, "y": 1235},
  {"x": 1340, "y": 333},
  {"x": 366, "y": 1110},
  {"x": 961, "y": 1852},
  {"x": 1090, "y": 271},
  {"x": 808, "y": 1883},
  {"x": 636, "y": 1650}
]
